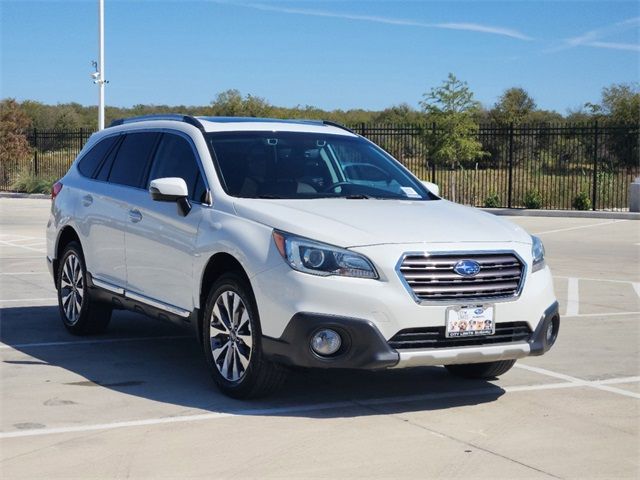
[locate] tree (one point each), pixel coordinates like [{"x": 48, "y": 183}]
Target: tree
[
  {"x": 452, "y": 107},
  {"x": 515, "y": 105},
  {"x": 621, "y": 103},
  {"x": 14, "y": 145},
  {"x": 231, "y": 103},
  {"x": 398, "y": 114}
]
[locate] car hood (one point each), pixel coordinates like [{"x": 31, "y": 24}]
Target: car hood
[{"x": 351, "y": 223}]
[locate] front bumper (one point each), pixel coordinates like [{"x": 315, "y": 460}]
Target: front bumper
[
  {"x": 366, "y": 348},
  {"x": 282, "y": 292}
]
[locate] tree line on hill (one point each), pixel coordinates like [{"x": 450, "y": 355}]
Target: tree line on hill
[
  {"x": 620, "y": 103},
  {"x": 451, "y": 106}
]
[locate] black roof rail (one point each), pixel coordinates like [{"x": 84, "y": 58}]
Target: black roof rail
[
  {"x": 338, "y": 125},
  {"x": 261, "y": 120},
  {"x": 161, "y": 116}
]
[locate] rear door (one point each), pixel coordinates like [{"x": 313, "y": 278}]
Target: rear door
[
  {"x": 160, "y": 242},
  {"x": 118, "y": 178},
  {"x": 100, "y": 215}
]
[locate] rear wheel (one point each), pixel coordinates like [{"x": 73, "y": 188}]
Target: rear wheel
[
  {"x": 231, "y": 339},
  {"x": 481, "y": 370},
  {"x": 80, "y": 314}
]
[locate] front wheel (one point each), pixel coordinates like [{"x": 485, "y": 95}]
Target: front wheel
[
  {"x": 481, "y": 370},
  {"x": 231, "y": 339},
  {"x": 81, "y": 315}
]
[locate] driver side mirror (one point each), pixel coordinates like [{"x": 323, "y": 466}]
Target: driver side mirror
[
  {"x": 432, "y": 187},
  {"x": 171, "y": 189}
]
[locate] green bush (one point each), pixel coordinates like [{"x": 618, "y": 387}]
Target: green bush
[
  {"x": 533, "y": 199},
  {"x": 29, "y": 183},
  {"x": 582, "y": 201},
  {"x": 492, "y": 201}
]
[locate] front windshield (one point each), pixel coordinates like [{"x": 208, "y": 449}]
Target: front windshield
[{"x": 309, "y": 165}]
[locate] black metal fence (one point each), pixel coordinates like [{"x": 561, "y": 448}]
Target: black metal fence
[
  {"x": 52, "y": 152},
  {"x": 587, "y": 166}
]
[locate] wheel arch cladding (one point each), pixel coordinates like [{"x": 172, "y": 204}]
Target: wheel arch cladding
[
  {"x": 66, "y": 236},
  {"x": 218, "y": 264}
]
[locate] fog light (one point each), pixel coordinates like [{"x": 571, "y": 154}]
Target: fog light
[
  {"x": 326, "y": 342},
  {"x": 552, "y": 331}
]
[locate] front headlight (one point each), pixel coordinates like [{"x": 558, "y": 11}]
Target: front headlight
[
  {"x": 321, "y": 259},
  {"x": 537, "y": 252}
]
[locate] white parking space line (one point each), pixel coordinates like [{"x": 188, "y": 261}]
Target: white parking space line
[
  {"x": 311, "y": 408},
  {"x": 591, "y": 279},
  {"x": 4, "y": 346},
  {"x": 27, "y": 300},
  {"x": 10, "y": 244},
  {"x": 23, "y": 273},
  {"x": 636, "y": 287},
  {"x": 606, "y": 314},
  {"x": 18, "y": 237},
  {"x": 580, "y": 227},
  {"x": 573, "y": 297},
  {"x": 597, "y": 384},
  {"x": 613, "y": 381},
  {"x": 33, "y": 244}
]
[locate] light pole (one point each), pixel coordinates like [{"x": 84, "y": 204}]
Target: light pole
[{"x": 98, "y": 75}]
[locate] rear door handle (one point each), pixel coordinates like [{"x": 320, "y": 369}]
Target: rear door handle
[
  {"x": 87, "y": 200},
  {"x": 134, "y": 215}
]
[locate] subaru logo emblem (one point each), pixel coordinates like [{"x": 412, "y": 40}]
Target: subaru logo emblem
[{"x": 467, "y": 268}]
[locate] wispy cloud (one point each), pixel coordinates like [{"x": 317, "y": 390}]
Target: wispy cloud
[
  {"x": 470, "y": 27},
  {"x": 593, "y": 38}
]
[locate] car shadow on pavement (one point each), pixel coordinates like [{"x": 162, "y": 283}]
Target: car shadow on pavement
[{"x": 170, "y": 368}]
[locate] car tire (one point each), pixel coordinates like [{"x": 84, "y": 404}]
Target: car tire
[
  {"x": 232, "y": 343},
  {"x": 81, "y": 315},
  {"x": 481, "y": 370}
]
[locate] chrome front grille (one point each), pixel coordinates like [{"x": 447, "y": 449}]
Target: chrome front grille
[{"x": 432, "y": 277}]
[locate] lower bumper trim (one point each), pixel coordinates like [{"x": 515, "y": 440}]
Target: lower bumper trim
[
  {"x": 450, "y": 356},
  {"x": 364, "y": 346}
]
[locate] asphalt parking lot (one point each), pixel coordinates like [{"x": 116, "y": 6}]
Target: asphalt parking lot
[{"x": 137, "y": 402}]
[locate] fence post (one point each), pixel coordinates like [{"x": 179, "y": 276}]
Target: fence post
[
  {"x": 594, "y": 193},
  {"x": 363, "y": 128},
  {"x": 510, "y": 189},
  {"x": 433, "y": 163},
  {"x": 35, "y": 152}
]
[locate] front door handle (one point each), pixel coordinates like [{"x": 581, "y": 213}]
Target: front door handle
[
  {"x": 87, "y": 200},
  {"x": 134, "y": 215}
]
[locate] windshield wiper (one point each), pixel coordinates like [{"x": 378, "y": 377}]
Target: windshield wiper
[{"x": 269, "y": 196}]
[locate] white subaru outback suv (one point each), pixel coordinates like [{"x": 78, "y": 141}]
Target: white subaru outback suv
[{"x": 291, "y": 243}]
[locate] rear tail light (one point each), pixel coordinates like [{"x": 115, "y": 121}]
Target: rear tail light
[{"x": 55, "y": 189}]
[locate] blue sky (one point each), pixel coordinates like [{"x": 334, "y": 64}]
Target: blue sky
[{"x": 331, "y": 54}]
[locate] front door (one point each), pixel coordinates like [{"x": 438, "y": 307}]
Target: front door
[{"x": 160, "y": 241}]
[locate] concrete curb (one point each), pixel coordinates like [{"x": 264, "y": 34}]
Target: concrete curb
[
  {"x": 523, "y": 212},
  {"x": 24, "y": 195}
]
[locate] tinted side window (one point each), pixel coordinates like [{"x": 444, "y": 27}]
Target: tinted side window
[
  {"x": 175, "y": 158},
  {"x": 130, "y": 163},
  {"x": 104, "y": 169},
  {"x": 199, "y": 192},
  {"x": 91, "y": 160}
]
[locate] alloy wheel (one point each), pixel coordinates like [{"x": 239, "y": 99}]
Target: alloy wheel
[
  {"x": 230, "y": 336},
  {"x": 72, "y": 288}
]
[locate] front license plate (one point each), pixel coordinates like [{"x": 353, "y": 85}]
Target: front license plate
[{"x": 470, "y": 321}]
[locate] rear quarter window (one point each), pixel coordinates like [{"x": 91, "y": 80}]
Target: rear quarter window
[{"x": 90, "y": 161}]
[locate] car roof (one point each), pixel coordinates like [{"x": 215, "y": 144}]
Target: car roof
[{"x": 239, "y": 124}]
